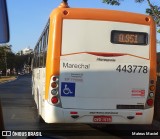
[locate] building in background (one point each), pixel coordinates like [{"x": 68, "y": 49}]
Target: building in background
[
  {"x": 25, "y": 51},
  {"x": 25, "y": 54}
]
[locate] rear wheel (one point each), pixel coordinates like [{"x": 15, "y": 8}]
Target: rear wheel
[
  {"x": 40, "y": 119},
  {"x": 157, "y": 107},
  {"x": 157, "y": 102}
]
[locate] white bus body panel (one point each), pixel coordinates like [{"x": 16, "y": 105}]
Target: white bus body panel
[
  {"x": 59, "y": 115},
  {"x": 95, "y": 36},
  {"x": 93, "y": 80},
  {"x": 90, "y": 85},
  {"x": 38, "y": 88}
]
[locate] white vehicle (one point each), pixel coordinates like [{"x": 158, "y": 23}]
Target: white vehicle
[{"x": 95, "y": 66}]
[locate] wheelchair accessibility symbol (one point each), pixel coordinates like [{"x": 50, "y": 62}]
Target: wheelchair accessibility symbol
[{"x": 68, "y": 89}]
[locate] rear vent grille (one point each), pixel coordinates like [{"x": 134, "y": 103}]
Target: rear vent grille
[{"x": 130, "y": 106}]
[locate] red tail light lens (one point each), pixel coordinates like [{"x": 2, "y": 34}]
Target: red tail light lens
[
  {"x": 54, "y": 79},
  {"x": 73, "y": 112},
  {"x": 54, "y": 100},
  {"x": 139, "y": 113},
  {"x": 150, "y": 102}
]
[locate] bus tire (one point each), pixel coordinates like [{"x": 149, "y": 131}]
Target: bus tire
[
  {"x": 157, "y": 106},
  {"x": 40, "y": 119}
]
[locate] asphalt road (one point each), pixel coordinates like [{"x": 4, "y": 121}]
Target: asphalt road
[{"x": 20, "y": 114}]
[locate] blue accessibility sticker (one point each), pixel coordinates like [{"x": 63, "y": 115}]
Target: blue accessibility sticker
[{"x": 68, "y": 89}]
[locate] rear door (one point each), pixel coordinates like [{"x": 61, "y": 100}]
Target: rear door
[{"x": 98, "y": 73}]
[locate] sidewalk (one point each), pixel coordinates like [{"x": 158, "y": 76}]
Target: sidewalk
[{"x": 4, "y": 79}]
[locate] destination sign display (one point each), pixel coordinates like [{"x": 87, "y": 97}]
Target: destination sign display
[{"x": 128, "y": 37}]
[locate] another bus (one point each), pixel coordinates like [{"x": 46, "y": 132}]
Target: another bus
[{"x": 95, "y": 66}]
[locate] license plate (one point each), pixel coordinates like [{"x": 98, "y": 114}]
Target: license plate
[{"x": 103, "y": 119}]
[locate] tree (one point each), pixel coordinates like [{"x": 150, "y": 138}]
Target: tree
[
  {"x": 6, "y": 58},
  {"x": 154, "y": 10},
  {"x": 6, "y": 47},
  {"x": 2, "y": 59},
  {"x": 19, "y": 62}
]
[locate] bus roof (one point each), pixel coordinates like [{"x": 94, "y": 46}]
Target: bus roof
[{"x": 101, "y": 14}]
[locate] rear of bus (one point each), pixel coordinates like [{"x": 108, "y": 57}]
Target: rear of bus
[{"x": 102, "y": 67}]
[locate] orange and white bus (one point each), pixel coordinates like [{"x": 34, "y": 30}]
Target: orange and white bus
[{"x": 95, "y": 66}]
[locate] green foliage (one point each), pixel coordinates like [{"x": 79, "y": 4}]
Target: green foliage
[
  {"x": 11, "y": 61},
  {"x": 154, "y": 10},
  {"x": 112, "y": 2},
  {"x": 139, "y": 1},
  {"x": 2, "y": 59},
  {"x": 6, "y": 59},
  {"x": 20, "y": 60},
  {"x": 117, "y": 2}
]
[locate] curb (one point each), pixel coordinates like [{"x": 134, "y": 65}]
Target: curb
[{"x": 8, "y": 81}]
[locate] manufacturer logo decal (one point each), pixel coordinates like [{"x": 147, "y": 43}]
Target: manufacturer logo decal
[
  {"x": 68, "y": 89},
  {"x": 138, "y": 92}
]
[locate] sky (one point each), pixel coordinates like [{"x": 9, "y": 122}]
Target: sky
[{"x": 27, "y": 18}]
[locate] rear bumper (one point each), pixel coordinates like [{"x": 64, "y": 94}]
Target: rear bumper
[{"x": 53, "y": 114}]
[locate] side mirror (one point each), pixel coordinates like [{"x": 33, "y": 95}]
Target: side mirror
[
  {"x": 4, "y": 37},
  {"x": 4, "y": 27}
]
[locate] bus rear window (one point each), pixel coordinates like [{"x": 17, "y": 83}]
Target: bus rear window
[{"x": 128, "y": 37}]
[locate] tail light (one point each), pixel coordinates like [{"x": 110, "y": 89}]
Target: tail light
[
  {"x": 54, "y": 85},
  {"x": 152, "y": 88},
  {"x": 139, "y": 113},
  {"x": 73, "y": 112},
  {"x": 54, "y": 100},
  {"x": 150, "y": 102},
  {"x": 151, "y": 94},
  {"x": 150, "y": 99},
  {"x": 54, "y": 94},
  {"x": 54, "y": 78}
]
